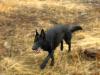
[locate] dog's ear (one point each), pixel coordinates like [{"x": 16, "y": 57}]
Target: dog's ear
[
  {"x": 37, "y": 33},
  {"x": 42, "y": 34}
]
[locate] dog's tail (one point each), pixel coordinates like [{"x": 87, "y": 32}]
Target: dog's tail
[{"x": 74, "y": 28}]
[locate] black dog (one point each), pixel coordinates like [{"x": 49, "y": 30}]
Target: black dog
[{"x": 49, "y": 40}]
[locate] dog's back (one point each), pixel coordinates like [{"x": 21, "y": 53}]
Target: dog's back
[
  {"x": 59, "y": 29},
  {"x": 56, "y": 34}
]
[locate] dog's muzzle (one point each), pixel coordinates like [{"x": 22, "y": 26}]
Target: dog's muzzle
[{"x": 36, "y": 50}]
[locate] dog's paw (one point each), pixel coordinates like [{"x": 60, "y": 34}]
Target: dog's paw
[
  {"x": 52, "y": 64},
  {"x": 68, "y": 51},
  {"x": 42, "y": 66}
]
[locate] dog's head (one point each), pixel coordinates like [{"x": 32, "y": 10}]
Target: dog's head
[{"x": 38, "y": 40}]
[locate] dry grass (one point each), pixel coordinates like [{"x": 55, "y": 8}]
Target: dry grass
[{"x": 20, "y": 18}]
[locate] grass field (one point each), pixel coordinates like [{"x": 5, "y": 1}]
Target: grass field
[{"x": 20, "y": 18}]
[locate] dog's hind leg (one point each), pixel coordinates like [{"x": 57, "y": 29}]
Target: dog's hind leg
[
  {"x": 61, "y": 45},
  {"x": 69, "y": 46},
  {"x": 67, "y": 39}
]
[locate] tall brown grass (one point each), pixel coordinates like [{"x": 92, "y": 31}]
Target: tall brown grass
[{"x": 20, "y": 18}]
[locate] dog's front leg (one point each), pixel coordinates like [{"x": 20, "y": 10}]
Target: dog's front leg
[
  {"x": 42, "y": 66},
  {"x": 52, "y": 59},
  {"x": 61, "y": 45}
]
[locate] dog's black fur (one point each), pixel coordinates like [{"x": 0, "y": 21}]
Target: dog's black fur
[{"x": 49, "y": 40}]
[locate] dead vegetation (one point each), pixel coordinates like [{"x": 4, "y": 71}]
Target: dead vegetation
[{"x": 18, "y": 21}]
